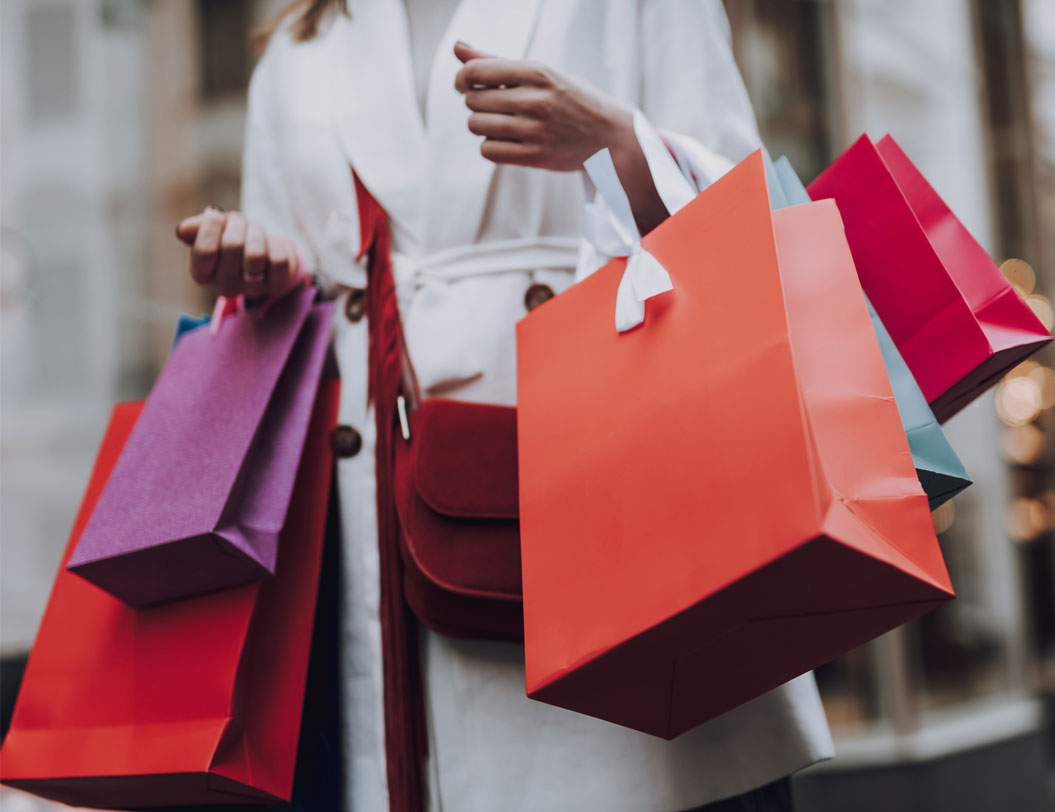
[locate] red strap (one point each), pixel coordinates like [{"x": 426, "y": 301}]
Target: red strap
[{"x": 405, "y": 735}]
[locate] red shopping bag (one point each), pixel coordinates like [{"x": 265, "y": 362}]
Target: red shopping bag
[
  {"x": 956, "y": 320},
  {"x": 196, "y": 701},
  {"x": 722, "y": 498}
]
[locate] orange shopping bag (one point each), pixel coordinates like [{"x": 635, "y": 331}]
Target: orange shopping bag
[{"x": 723, "y": 498}]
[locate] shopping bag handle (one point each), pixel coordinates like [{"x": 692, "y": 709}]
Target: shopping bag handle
[{"x": 610, "y": 230}]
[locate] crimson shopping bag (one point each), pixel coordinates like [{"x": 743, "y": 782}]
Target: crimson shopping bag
[
  {"x": 955, "y": 319},
  {"x": 722, "y": 498},
  {"x": 192, "y": 702},
  {"x": 199, "y": 494}
]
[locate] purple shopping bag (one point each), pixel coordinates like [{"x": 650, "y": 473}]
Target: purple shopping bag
[{"x": 200, "y": 492}]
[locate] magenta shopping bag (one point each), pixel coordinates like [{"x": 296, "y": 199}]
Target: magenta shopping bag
[
  {"x": 954, "y": 318},
  {"x": 200, "y": 492}
]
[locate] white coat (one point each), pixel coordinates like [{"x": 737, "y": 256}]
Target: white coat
[{"x": 469, "y": 239}]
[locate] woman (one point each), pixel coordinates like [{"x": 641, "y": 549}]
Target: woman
[{"x": 455, "y": 146}]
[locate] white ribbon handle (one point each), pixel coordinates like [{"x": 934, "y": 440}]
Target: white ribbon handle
[{"x": 610, "y": 230}]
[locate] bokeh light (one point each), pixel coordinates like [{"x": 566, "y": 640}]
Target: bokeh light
[
  {"x": 1045, "y": 379},
  {"x": 1023, "y": 445},
  {"x": 943, "y": 517},
  {"x": 1023, "y": 369},
  {"x": 1020, "y": 275},
  {"x": 1018, "y": 400},
  {"x": 1041, "y": 307},
  {"x": 1027, "y": 518}
]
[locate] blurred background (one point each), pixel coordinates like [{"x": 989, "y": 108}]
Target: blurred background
[{"x": 119, "y": 117}]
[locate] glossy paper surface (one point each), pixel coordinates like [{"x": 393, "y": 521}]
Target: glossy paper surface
[
  {"x": 956, "y": 320},
  {"x": 723, "y": 498},
  {"x": 191, "y": 702}
]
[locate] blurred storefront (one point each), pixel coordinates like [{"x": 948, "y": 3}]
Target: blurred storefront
[{"x": 118, "y": 117}]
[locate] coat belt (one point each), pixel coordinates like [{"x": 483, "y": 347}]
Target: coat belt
[{"x": 520, "y": 255}]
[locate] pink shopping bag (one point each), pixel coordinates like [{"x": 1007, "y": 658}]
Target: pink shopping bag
[{"x": 955, "y": 319}]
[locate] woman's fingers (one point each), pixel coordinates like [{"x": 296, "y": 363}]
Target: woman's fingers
[
  {"x": 503, "y": 127},
  {"x": 282, "y": 262},
  {"x": 511, "y": 152},
  {"x": 510, "y": 100},
  {"x": 464, "y": 51},
  {"x": 254, "y": 264},
  {"x": 494, "y": 72},
  {"x": 236, "y": 255},
  {"x": 232, "y": 250},
  {"x": 205, "y": 253},
  {"x": 187, "y": 230}
]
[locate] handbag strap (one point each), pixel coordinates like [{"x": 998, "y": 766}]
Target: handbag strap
[{"x": 390, "y": 377}]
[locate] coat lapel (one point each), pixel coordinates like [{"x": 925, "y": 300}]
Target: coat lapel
[
  {"x": 374, "y": 106},
  {"x": 458, "y": 178},
  {"x": 428, "y": 176}
]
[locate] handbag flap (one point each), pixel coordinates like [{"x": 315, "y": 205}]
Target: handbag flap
[{"x": 466, "y": 458}]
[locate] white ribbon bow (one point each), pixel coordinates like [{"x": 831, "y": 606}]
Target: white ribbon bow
[{"x": 610, "y": 230}]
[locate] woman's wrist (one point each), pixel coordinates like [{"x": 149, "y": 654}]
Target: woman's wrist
[
  {"x": 632, "y": 169},
  {"x": 619, "y": 129}
]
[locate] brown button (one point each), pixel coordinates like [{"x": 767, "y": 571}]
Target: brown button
[
  {"x": 355, "y": 304},
  {"x": 345, "y": 441},
  {"x": 536, "y": 295}
]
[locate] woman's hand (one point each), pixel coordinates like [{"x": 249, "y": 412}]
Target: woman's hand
[
  {"x": 238, "y": 256},
  {"x": 532, "y": 115}
]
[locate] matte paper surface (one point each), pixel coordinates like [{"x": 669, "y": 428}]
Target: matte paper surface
[
  {"x": 939, "y": 469},
  {"x": 199, "y": 494},
  {"x": 723, "y": 498}
]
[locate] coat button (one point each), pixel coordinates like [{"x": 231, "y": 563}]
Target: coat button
[
  {"x": 355, "y": 304},
  {"x": 345, "y": 441},
  {"x": 536, "y": 295}
]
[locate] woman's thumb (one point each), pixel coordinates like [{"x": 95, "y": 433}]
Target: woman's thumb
[
  {"x": 464, "y": 51},
  {"x": 187, "y": 229}
]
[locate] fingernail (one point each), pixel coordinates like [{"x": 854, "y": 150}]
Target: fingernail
[
  {"x": 215, "y": 207},
  {"x": 217, "y": 316}
]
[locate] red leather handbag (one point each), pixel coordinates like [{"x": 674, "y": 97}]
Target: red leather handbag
[
  {"x": 457, "y": 498},
  {"x": 447, "y": 484}
]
